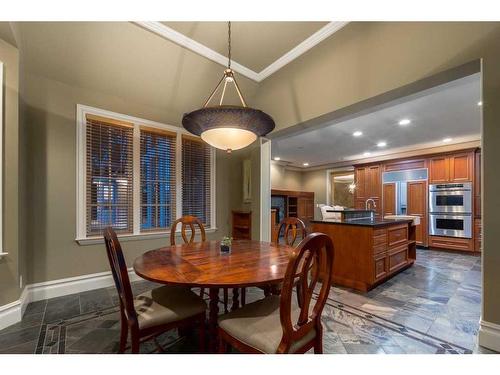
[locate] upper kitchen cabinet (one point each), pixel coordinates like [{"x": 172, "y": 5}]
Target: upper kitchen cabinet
[
  {"x": 439, "y": 169},
  {"x": 451, "y": 168},
  {"x": 368, "y": 186},
  {"x": 360, "y": 181}
]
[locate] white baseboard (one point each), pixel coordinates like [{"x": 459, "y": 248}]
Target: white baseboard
[
  {"x": 12, "y": 313},
  {"x": 489, "y": 335}
]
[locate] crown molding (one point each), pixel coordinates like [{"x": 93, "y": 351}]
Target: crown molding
[
  {"x": 316, "y": 38},
  {"x": 191, "y": 44}
]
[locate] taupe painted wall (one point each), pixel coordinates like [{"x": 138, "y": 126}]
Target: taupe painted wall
[
  {"x": 285, "y": 179},
  {"x": 315, "y": 181},
  {"x": 9, "y": 265},
  {"x": 51, "y": 126},
  {"x": 365, "y": 59}
]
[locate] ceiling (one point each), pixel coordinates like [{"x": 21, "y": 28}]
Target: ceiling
[
  {"x": 121, "y": 60},
  {"x": 447, "y": 111},
  {"x": 254, "y": 44}
]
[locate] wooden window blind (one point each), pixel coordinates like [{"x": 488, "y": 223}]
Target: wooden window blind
[
  {"x": 157, "y": 179},
  {"x": 196, "y": 179},
  {"x": 109, "y": 175}
]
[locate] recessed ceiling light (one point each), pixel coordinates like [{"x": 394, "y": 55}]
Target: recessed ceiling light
[
  {"x": 404, "y": 121},
  {"x": 446, "y": 140},
  {"x": 357, "y": 133},
  {"x": 305, "y": 164},
  {"x": 367, "y": 153},
  {"x": 381, "y": 144},
  {"x": 479, "y": 103},
  {"x": 277, "y": 158}
]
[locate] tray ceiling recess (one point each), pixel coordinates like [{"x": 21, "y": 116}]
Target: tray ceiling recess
[{"x": 191, "y": 44}]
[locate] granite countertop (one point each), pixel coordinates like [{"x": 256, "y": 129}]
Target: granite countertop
[{"x": 376, "y": 222}]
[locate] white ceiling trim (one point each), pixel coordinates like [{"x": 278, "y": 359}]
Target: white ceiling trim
[
  {"x": 186, "y": 42},
  {"x": 316, "y": 38}
]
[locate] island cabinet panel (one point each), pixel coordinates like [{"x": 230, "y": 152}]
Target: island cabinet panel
[
  {"x": 366, "y": 256},
  {"x": 381, "y": 266},
  {"x": 398, "y": 257},
  {"x": 397, "y": 235}
]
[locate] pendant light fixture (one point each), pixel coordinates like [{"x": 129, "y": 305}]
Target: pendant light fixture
[{"x": 228, "y": 127}]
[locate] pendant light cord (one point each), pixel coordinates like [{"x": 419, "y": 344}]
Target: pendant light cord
[{"x": 229, "y": 44}]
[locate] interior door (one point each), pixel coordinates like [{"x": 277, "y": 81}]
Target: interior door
[
  {"x": 417, "y": 206},
  {"x": 389, "y": 199}
]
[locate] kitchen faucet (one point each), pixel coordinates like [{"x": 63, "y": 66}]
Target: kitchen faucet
[{"x": 373, "y": 201}]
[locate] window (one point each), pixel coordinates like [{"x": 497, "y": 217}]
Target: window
[
  {"x": 109, "y": 175},
  {"x": 196, "y": 178},
  {"x": 138, "y": 176},
  {"x": 157, "y": 179}
]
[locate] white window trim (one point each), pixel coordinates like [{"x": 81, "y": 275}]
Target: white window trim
[{"x": 81, "y": 202}]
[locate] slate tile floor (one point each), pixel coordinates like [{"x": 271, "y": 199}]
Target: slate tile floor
[{"x": 433, "y": 307}]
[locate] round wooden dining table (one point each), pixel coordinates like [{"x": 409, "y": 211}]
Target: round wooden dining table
[{"x": 202, "y": 264}]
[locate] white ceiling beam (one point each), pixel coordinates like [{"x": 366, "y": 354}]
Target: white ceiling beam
[{"x": 191, "y": 44}]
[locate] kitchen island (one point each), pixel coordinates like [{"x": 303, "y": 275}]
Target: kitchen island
[{"x": 368, "y": 252}]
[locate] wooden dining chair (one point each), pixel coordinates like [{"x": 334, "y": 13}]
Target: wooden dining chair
[
  {"x": 292, "y": 229},
  {"x": 151, "y": 313},
  {"x": 186, "y": 221},
  {"x": 282, "y": 324},
  {"x": 192, "y": 222},
  {"x": 291, "y": 226}
]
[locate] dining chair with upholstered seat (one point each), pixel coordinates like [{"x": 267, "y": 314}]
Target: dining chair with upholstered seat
[
  {"x": 283, "y": 324},
  {"x": 154, "y": 312},
  {"x": 292, "y": 228},
  {"x": 192, "y": 222}
]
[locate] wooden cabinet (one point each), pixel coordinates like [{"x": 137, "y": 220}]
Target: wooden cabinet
[
  {"x": 477, "y": 184},
  {"x": 461, "y": 166},
  {"x": 389, "y": 199},
  {"x": 360, "y": 180},
  {"x": 451, "y": 168},
  {"x": 416, "y": 205},
  {"x": 366, "y": 256},
  {"x": 241, "y": 225},
  {"x": 305, "y": 207},
  {"x": 439, "y": 170},
  {"x": 368, "y": 185},
  {"x": 451, "y": 243},
  {"x": 478, "y": 235},
  {"x": 374, "y": 182},
  {"x": 296, "y": 204}
]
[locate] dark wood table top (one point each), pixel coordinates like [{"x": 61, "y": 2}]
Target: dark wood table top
[{"x": 250, "y": 263}]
